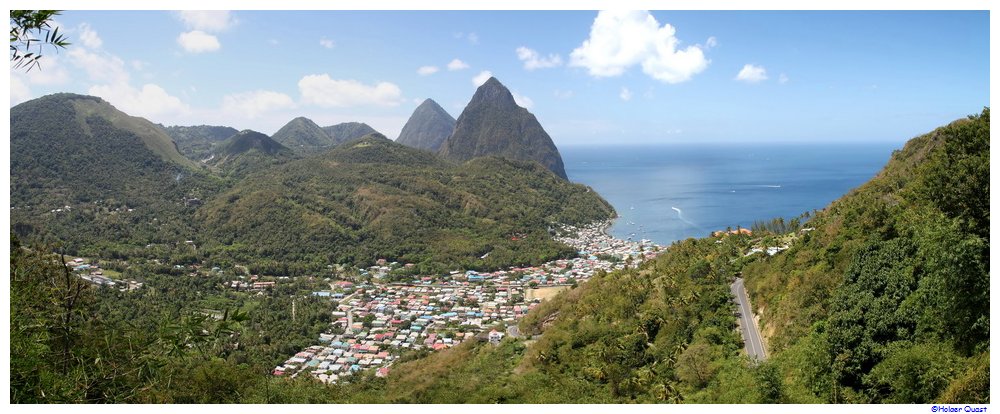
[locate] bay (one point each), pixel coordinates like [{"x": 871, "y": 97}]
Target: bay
[{"x": 672, "y": 192}]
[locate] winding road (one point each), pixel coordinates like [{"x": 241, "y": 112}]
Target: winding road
[{"x": 748, "y": 326}]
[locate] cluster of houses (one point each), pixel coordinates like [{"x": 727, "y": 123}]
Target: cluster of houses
[
  {"x": 375, "y": 324},
  {"x": 92, "y": 272}
]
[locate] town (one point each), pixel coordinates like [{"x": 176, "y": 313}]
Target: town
[{"x": 377, "y": 323}]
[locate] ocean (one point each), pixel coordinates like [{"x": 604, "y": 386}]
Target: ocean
[{"x": 673, "y": 192}]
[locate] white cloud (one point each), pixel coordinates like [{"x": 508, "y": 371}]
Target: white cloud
[
  {"x": 532, "y": 60},
  {"x": 711, "y": 42},
  {"x": 427, "y": 70},
  {"x": 327, "y": 43},
  {"x": 481, "y": 78},
  {"x": 151, "y": 101},
  {"x": 457, "y": 64},
  {"x": 782, "y": 78},
  {"x": 561, "y": 94},
  {"x": 139, "y": 64},
  {"x": 324, "y": 91},
  {"x": 89, "y": 37},
  {"x": 52, "y": 71},
  {"x": 100, "y": 67},
  {"x": 619, "y": 40},
  {"x": 522, "y": 100},
  {"x": 197, "y": 41},
  {"x": 207, "y": 20},
  {"x": 254, "y": 103},
  {"x": 625, "y": 94},
  {"x": 471, "y": 37},
  {"x": 752, "y": 74},
  {"x": 19, "y": 91}
]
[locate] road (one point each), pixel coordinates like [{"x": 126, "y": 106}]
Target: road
[{"x": 748, "y": 326}]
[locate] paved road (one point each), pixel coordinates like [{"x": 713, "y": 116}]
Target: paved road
[{"x": 748, "y": 326}]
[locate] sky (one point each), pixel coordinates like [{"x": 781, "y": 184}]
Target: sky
[{"x": 591, "y": 78}]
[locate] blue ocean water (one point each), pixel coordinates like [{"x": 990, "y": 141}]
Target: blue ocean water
[{"x": 672, "y": 192}]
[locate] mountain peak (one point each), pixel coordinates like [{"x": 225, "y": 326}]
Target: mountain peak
[
  {"x": 493, "y": 124},
  {"x": 303, "y": 136},
  {"x": 428, "y": 127},
  {"x": 493, "y": 91}
]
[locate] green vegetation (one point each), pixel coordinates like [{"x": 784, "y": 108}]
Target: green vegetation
[
  {"x": 883, "y": 297},
  {"x": 886, "y": 300},
  {"x": 303, "y": 136},
  {"x": 115, "y": 187},
  {"x": 249, "y": 152},
  {"x": 199, "y": 142},
  {"x": 373, "y": 198},
  {"x": 348, "y": 131},
  {"x": 29, "y": 27}
]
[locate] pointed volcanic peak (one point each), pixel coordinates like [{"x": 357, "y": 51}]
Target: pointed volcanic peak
[
  {"x": 428, "y": 127},
  {"x": 303, "y": 136},
  {"x": 493, "y": 124},
  {"x": 348, "y": 131}
]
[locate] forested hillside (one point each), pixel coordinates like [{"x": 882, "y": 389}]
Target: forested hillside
[{"x": 373, "y": 198}]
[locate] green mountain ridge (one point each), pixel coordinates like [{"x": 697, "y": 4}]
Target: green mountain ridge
[
  {"x": 348, "y": 131},
  {"x": 249, "y": 151},
  {"x": 199, "y": 141},
  {"x": 303, "y": 136},
  {"x": 372, "y": 198}
]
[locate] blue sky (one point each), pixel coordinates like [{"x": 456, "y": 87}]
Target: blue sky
[{"x": 590, "y": 78}]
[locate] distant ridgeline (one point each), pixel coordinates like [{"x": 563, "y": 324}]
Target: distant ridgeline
[
  {"x": 101, "y": 183},
  {"x": 882, "y": 297}
]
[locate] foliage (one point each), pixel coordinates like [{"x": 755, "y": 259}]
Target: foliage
[{"x": 25, "y": 28}]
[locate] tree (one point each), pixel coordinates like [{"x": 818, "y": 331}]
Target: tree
[{"x": 32, "y": 28}]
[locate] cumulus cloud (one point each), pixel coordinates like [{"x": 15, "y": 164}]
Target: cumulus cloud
[
  {"x": 532, "y": 60},
  {"x": 327, "y": 43},
  {"x": 522, "y": 100},
  {"x": 197, "y": 41},
  {"x": 481, "y": 78},
  {"x": 752, "y": 74},
  {"x": 207, "y": 20},
  {"x": 621, "y": 39},
  {"x": 323, "y": 91},
  {"x": 711, "y": 42},
  {"x": 427, "y": 70},
  {"x": 254, "y": 103},
  {"x": 625, "y": 94},
  {"x": 19, "y": 91},
  {"x": 150, "y": 101},
  {"x": 99, "y": 67},
  {"x": 782, "y": 78},
  {"x": 89, "y": 37},
  {"x": 457, "y": 64}
]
